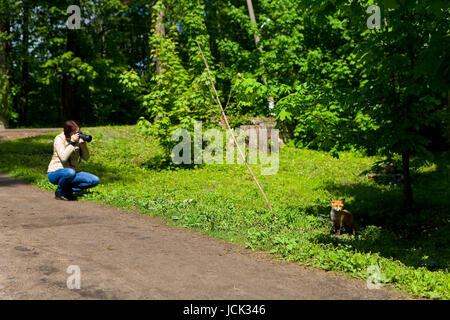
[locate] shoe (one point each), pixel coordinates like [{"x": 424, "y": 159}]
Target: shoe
[{"x": 59, "y": 196}]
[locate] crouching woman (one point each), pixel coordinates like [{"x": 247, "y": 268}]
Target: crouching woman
[{"x": 68, "y": 150}]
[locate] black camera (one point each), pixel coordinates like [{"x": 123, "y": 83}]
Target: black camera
[{"x": 85, "y": 137}]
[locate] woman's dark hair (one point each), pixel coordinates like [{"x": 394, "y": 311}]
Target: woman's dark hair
[{"x": 69, "y": 127}]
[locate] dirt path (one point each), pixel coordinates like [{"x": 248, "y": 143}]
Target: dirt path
[
  {"x": 9, "y": 134},
  {"x": 125, "y": 255}
]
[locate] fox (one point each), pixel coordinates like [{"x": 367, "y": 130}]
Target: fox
[{"x": 341, "y": 217}]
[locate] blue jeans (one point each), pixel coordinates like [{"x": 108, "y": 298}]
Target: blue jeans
[{"x": 69, "y": 181}]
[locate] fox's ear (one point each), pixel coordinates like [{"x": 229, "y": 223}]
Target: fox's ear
[
  {"x": 331, "y": 199},
  {"x": 343, "y": 200}
]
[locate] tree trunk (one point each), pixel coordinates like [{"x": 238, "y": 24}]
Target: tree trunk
[
  {"x": 70, "y": 109},
  {"x": 253, "y": 20},
  {"x": 448, "y": 110},
  {"x": 161, "y": 31},
  {"x": 251, "y": 12},
  {"x": 407, "y": 188},
  {"x": 4, "y": 70},
  {"x": 102, "y": 39},
  {"x": 25, "y": 67}
]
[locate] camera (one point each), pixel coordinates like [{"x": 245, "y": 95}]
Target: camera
[{"x": 85, "y": 137}]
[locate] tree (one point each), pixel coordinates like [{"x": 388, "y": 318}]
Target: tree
[
  {"x": 405, "y": 79},
  {"x": 251, "y": 12},
  {"x": 24, "y": 88},
  {"x": 176, "y": 91},
  {"x": 68, "y": 84},
  {"x": 4, "y": 63},
  {"x": 160, "y": 30}
]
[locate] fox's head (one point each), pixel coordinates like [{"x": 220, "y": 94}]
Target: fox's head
[{"x": 337, "y": 204}]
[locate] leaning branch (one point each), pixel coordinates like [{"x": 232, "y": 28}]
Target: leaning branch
[{"x": 231, "y": 131}]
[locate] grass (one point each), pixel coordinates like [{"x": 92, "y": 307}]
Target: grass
[{"x": 411, "y": 250}]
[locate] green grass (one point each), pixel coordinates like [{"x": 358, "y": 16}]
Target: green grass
[{"x": 411, "y": 251}]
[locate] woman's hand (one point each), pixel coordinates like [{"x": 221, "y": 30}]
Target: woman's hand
[{"x": 75, "y": 138}]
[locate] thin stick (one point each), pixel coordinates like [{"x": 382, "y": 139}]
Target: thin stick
[
  {"x": 229, "y": 97},
  {"x": 231, "y": 131}
]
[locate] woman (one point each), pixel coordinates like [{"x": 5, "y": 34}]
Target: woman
[{"x": 68, "y": 150}]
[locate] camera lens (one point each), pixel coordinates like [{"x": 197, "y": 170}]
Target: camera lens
[{"x": 85, "y": 137}]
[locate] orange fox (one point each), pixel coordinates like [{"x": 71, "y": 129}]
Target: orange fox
[{"x": 341, "y": 217}]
